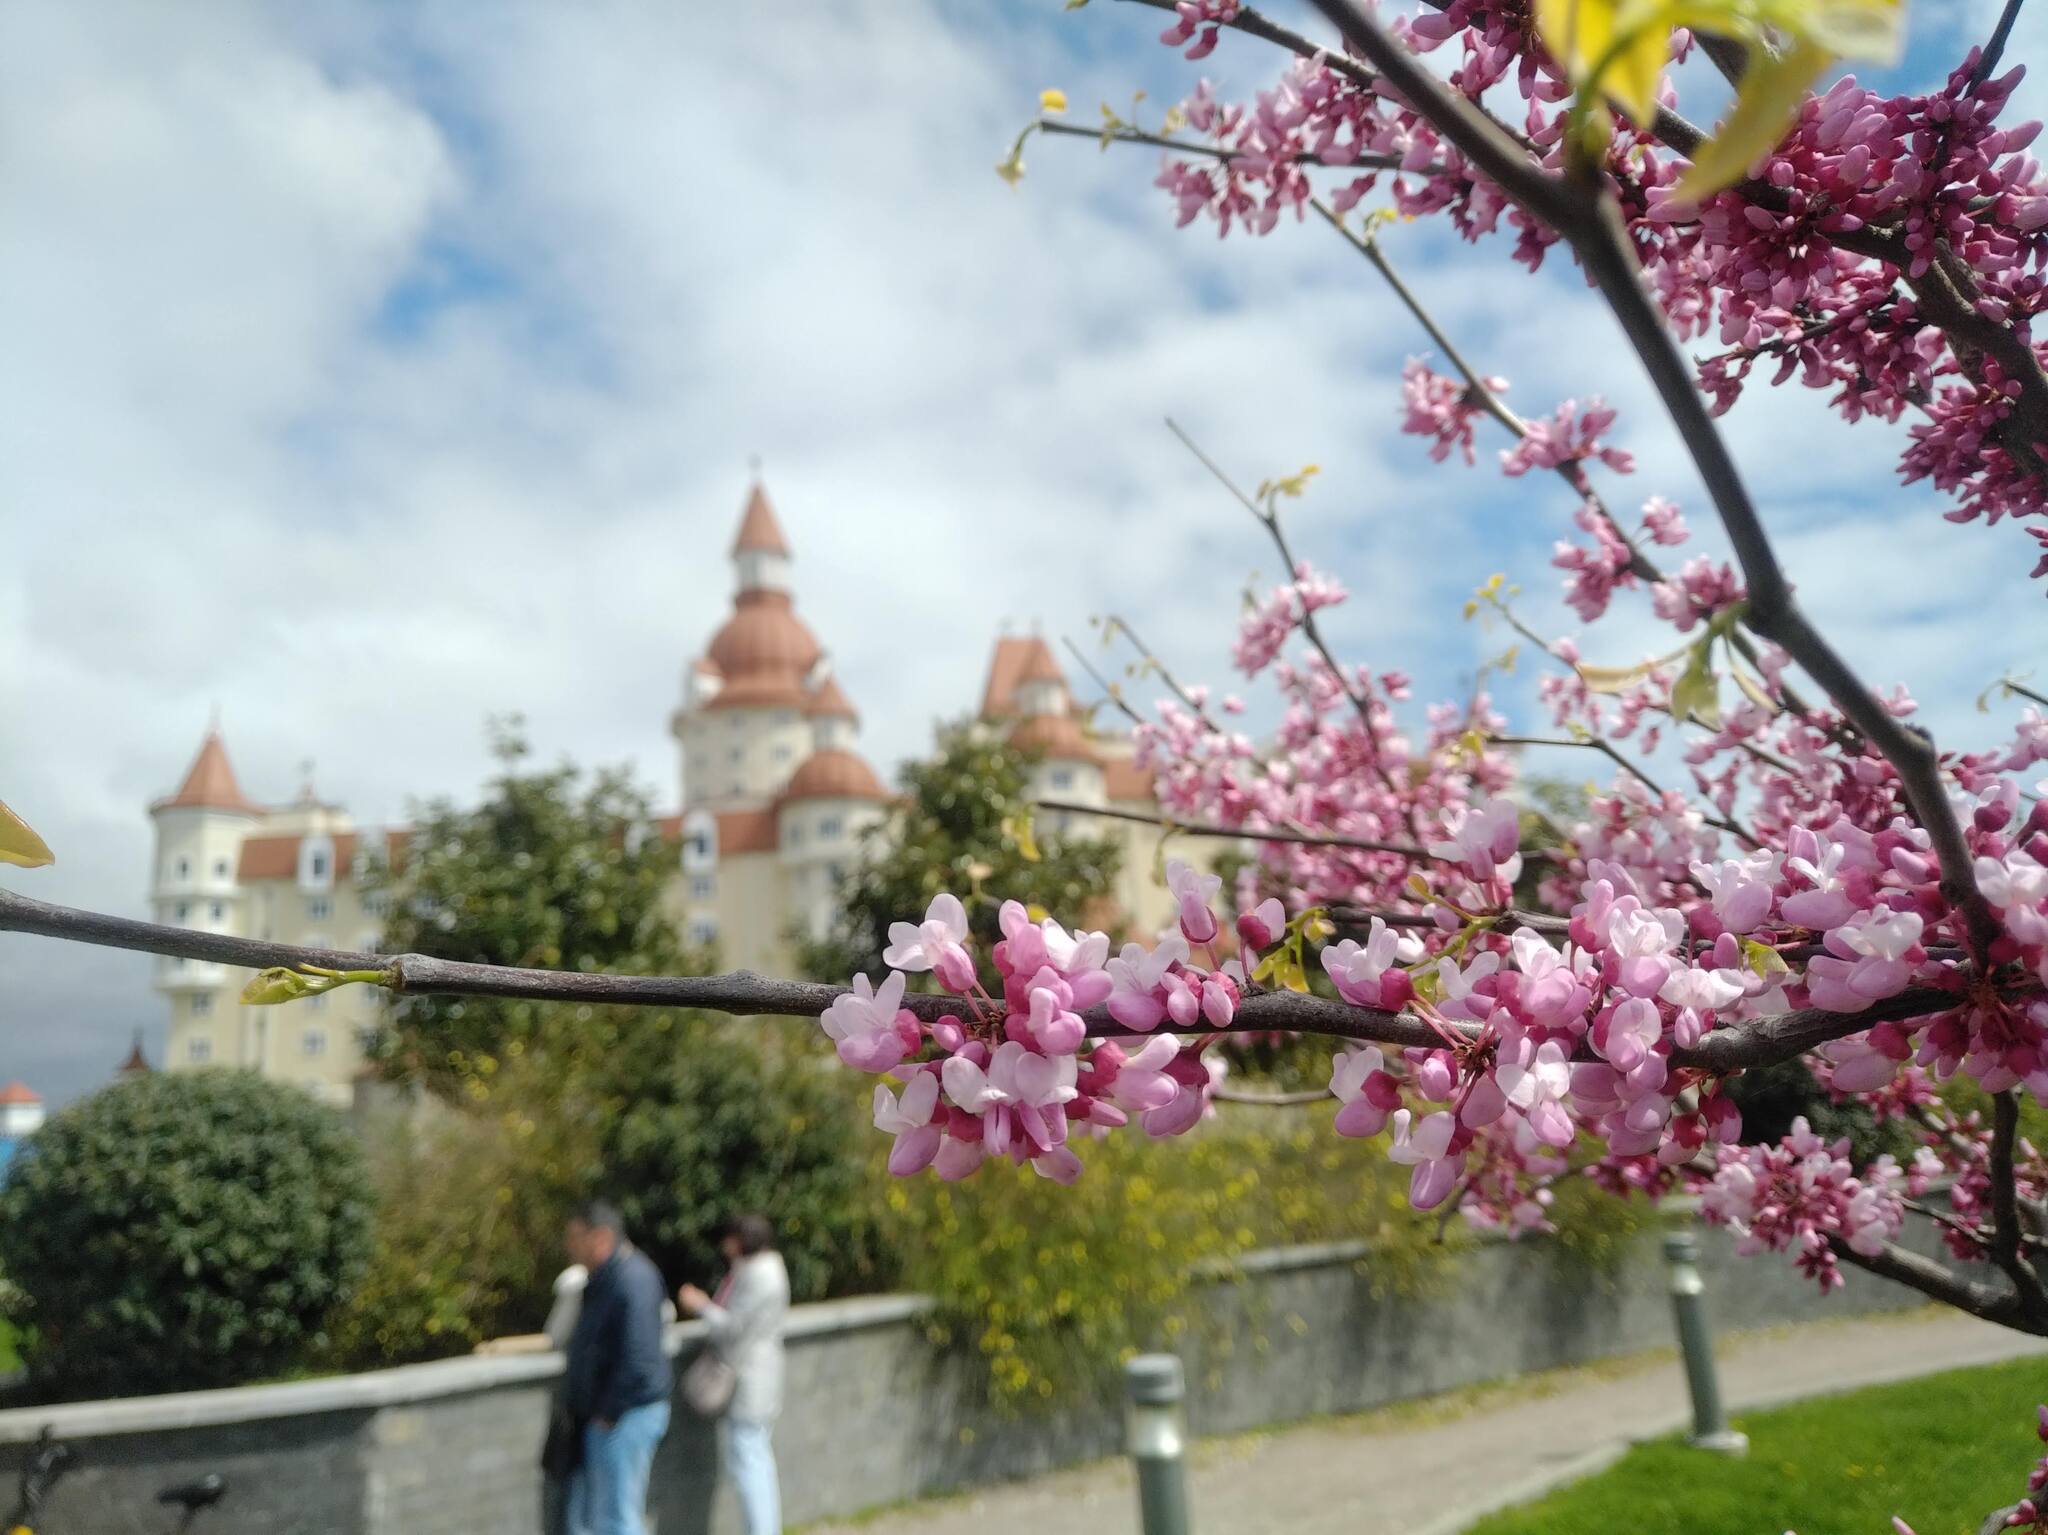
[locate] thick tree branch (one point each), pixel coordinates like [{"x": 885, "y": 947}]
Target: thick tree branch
[
  {"x": 2005, "y": 1213},
  {"x": 1760, "y": 1042},
  {"x": 1936, "y": 1282},
  {"x": 1240, "y": 833}
]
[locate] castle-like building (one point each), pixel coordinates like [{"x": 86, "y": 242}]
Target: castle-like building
[{"x": 775, "y": 800}]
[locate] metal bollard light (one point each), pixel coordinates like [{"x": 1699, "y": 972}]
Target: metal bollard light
[
  {"x": 1156, "y": 1435},
  {"x": 1710, "y": 1430}
]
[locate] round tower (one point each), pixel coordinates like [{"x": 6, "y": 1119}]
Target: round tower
[{"x": 199, "y": 833}]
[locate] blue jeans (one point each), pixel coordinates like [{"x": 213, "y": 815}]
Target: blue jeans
[
  {"x": 609, "y": 1493},
  {"x": 750, "y": 1460}
]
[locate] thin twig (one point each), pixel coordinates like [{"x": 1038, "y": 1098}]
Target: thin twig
[
  {"x": 1242, "y": 833},
  {"x": 1114, "y": 624},
  {"x": 1110, "y": 690},
  {"x": 1311, "y": 630},
  {"x": 1269, "y": 1100},
  {"x": 1512, "y": 917},
  {"x": 1213, "y": 151}
]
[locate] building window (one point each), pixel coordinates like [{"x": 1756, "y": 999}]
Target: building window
[
  {"x": 701, "y": 887},
  {"x": 783, "y": 754},
  {"x": 317, "y": 1002},
  {"x": 198, "y": 1051},
  {"x": 319, "y": 866},
  {"x": 184, "y": 911},
  {"x": 836, "y": 872},
  {"x": 703, "y": 931},
  {"x": 738, "y": 788},
  {"x": 184, "y": 868},
  {"x": 376, "y": 903},
  {"x": 737, "y": 754},
  {"x": 313, "y": 1041},
  {"x": 1063, "y": 778},
  {"x": 219, "y": 911},
  {"x": 318, "y": 908},
  {"x": 831, "y": 826},
  {"x": 201, "y": 1004},
  {"x": 796, "y": 836},
  {"x": 220, "y": 868}
]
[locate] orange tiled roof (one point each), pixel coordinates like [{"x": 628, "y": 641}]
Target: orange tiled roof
[
  {"x": 1056, "y": 737},
  {"x": 277, "y": 857},
  {"x": 834, "y": 774},
  {"x": 209, "y": 783},
  {"x": 759, "y": 531},
  {"x": 829, "y": 701},
  {"x": 1017, "y": 658},
  {"x": 746, "y": 831},
  {"x": 1124, "y": 779},
  {"x": 19, "y": 1092}
]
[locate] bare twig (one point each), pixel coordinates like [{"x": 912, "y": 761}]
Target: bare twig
[
  {"x": 1114, "y": 624},
  {"x": 1240, "y": 833},
  {"x": 1128, "y": 135},
  {"x": 1759, "y": 1042},
  {"x": 1513, "y": 917},
  {"x": 1110, "y": 690},
  {"x": 1310, "y": 629}
]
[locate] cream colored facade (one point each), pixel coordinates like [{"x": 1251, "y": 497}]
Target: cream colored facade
[{"x": 775, "y": 801}]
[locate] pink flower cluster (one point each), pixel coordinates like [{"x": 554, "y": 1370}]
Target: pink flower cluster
[
  {"x": 1016, "y": 1075},
  {"x": 1266, "y": 627},
  {"x": 1801, "y": 1195}
]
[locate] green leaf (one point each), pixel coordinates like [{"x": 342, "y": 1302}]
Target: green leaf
[
  {"x": 19, "y": 845},
  {"x": 1697, "y": 693},
  {"x": 1772, "y": 89}
]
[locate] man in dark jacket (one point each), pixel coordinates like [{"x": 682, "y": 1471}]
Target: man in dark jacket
[{"x": 618, "y": 1382}]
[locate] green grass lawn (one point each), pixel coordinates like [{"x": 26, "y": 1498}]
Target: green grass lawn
[
  {"x": 9, "y": 1359},
  {"x": 1940, "y": 1453}
]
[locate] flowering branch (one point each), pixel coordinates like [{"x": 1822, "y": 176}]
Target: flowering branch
[
  {"x": 1936, "y": 1282},
  {"x": 1123, "y": 133},
  {"x": 1758, "y": 1042}
]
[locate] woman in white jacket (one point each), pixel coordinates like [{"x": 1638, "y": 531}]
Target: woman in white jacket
[{"x": 745, "y": 1320}]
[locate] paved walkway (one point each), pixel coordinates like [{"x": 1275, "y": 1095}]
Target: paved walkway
[{"x": 1428, "y": 1468}]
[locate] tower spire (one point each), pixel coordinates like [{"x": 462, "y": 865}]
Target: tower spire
[{"x": 760, "y": 551}]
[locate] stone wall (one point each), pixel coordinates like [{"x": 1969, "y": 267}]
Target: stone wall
[{"x": 875, "y": 1414}]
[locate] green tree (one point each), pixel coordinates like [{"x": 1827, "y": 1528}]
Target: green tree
[
  {"x": 960, "y": 831},
  {"x": 174, "y": 1232},
  {"x": 549, "y": 870},
  {"x": 681, "y": 1119}
]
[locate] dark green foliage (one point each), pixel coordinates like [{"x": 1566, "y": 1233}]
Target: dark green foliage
[
  {"x": 548, "y": 871},
  {"x": 1771, "y": 1097},
  {"x": 174, "y": 1232},
  {"x": 726, "y": 1126},
  {"x": 952, "y": 836}
]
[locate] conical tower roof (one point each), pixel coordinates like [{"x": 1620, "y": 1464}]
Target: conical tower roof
[
  {"x": 759, "y": 532},
  {"x": 210, "y": 782}
]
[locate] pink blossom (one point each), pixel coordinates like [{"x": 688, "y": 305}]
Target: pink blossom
[
  {"x": 865, "y": 1024},
  {"x": 937, "y": 944},
  {"x": 917, "y": 1137},
  {"x": 1192, "y": 892},
  {"x": 1361, "y": 1083}
]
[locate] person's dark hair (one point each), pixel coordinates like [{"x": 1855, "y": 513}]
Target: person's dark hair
[
  {"x": 754, "y": 1234},
  {"x": 599, "y": 1216}
]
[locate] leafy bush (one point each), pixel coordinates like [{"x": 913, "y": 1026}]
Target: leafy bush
[
  {"x": 719, "y": 1124},
  {"x": 1052, "y": 1288},
  {"x": 177, "y": 1232}
]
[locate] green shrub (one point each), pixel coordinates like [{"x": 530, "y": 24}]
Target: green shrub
[
  {"x": 180, "y": 1231},
  {"x": 1050, "y": 1289},
  {"x": 718, "y": 1125}
]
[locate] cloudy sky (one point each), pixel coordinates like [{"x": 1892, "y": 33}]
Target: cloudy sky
[{"x": 371, "y": 370}]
